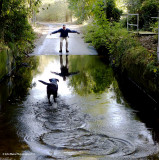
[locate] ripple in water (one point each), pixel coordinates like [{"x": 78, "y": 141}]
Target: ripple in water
[
  {"x": 64, "y": 136},
  {"x": 91, "y": 144}
]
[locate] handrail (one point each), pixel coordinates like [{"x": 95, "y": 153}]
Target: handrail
[
  {"x": 129, "y": 24},
  {"x": 133, "y": 14}
]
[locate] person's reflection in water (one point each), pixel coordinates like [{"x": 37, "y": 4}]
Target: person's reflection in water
[{"x": 64, "y": 69}]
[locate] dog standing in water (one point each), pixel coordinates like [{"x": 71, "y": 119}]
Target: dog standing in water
[{"x": 52, "y": 88}]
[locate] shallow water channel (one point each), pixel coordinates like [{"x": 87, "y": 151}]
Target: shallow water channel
[{"x": 91, "y": 120}]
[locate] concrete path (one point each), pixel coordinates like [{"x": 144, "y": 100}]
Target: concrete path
[{"x": 49, "y": 45}]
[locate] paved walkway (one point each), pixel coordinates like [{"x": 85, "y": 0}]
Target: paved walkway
[{"x": 50, "y": 44}]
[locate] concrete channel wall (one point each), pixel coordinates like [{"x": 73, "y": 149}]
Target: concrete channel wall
[{"x": 6, "y": 63}]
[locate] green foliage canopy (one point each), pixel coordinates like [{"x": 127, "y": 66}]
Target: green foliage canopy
[
  {"x": 14, "y": 19},
  {"x": 86, "y": 9},
  {"x": 56, "y": 11},
  {"x": 15, "y": 29}
]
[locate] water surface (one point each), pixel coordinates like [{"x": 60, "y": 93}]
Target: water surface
[{"x": 90, "y": 120}]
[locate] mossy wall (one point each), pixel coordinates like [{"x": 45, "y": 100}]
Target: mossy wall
[
  {"x": 139, "y": 65},
  {"x": 6, "y": 62}
]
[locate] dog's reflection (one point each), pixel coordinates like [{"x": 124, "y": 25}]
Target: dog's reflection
[{"x": 64, "y": 69}]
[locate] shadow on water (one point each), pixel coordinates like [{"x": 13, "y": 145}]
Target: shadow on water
[
  {"x": 146, "y": 107},
  {"x": 95, "y": 117}
]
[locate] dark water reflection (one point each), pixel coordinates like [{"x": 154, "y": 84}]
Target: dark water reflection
[
  {"x": 91, "y": 120},
  {"x": 12, "y": 92}
]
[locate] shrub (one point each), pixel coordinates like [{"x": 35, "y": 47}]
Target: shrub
[
  {"x": 122, "y": 47},
  {"x": 112, "y": 12},
  {"x": 148, "y": 9}
]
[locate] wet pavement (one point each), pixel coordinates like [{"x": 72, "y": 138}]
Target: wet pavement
[{"x": 91, "y": 119}]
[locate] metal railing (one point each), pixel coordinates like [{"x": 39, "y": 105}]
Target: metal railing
[{"x": 130, "y": 24}]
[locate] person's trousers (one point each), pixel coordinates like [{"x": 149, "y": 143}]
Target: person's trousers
[{"x": 61, "y": 42}]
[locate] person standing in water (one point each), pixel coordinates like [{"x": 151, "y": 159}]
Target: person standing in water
[{"x": 64, "y": 36}]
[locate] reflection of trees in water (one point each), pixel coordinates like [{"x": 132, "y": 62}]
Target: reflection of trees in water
[
  {"x": 94, "y": 77},
  {"x": 17, "y": 87},
  {"x": 44, "y": 60},
  {"x": 118, "y": 94},
  {"x": 6, "y": 62},
  {"x": 14, "y": 88}
]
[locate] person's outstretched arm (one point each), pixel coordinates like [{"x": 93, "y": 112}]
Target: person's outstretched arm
[
  {"x": 59, "y": 74},
  {"x": 73, "y": 73},
  {"x": 73, "y": 31},
  {"x": 44, "y": 82},
  {"x": 55, "y": 31}
]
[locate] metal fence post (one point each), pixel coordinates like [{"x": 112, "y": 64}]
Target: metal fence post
[
  {"x": 138, "y": 23},
  {"x": 127, "y": 22}
]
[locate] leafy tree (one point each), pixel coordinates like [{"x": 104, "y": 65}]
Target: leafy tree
[
  {"x": 15, "y": 30},
  {"x": 85, "y": 9},
  {"x": 112, "y": 12},
  {"x": 54, "y": 11},
  {"x": 81, "y": 8},
  {"x": 148, "y": 9},
  {"x": 14, "y": 18}
]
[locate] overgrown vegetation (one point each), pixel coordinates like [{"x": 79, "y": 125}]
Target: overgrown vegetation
[
  {"x": 87, "y": 9},
  {"x": 16, "y": 33}
]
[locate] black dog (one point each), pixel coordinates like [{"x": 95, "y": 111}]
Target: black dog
[{"x": 52, "y": 88}]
